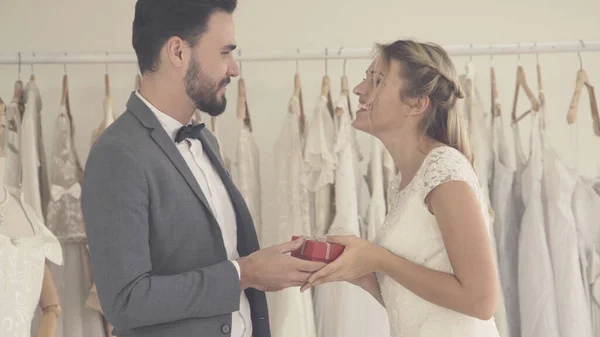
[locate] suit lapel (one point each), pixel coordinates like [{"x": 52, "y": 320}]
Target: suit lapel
[
  {"x": 168, "y": 146},
  {"x": 159, "y": 135},
  {"x": 247, "y": 241}
]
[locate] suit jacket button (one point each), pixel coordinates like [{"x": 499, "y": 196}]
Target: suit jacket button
[{"x": 226, "y": 329}]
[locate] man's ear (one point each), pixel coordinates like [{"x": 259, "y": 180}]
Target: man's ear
[{"x": 177, "y": 52}]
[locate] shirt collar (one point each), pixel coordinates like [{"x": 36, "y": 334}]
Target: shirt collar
[{"x": 170, "y": 124}]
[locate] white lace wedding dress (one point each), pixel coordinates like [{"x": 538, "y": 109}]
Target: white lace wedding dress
[{"x": 412, "y": 232}]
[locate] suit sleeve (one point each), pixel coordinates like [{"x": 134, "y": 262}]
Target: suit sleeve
[{"x": 115, "y": 205}]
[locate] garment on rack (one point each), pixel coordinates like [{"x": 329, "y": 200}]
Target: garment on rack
[
  {"x": 109, "y": 118},
  {"x": 480, "y": 132},
  {"x": 411, "y": 231},
  {"x": 292, "y": 312},
  {"x": 74, "y": 278},
  {"x": 344, "y": 309},
  {"x": 22, "y": 263},
  {"x": 559, "y": 187},
  {"x": 537, "y": 294},
  {"x": 377, "y": 205},
  {"x": 247, "y": 175},
  {"x": 506, "y": 224},
  {"x": 389, "y": 171},
  {"x": 320, "y": 164},
  {"x": 586, "y": 209},
  {"x": 13, "y": 176},
  {"x": 213, "y": 126},
  {"x": 92, "y": 301},
  {"x": 36, "y": 190}
]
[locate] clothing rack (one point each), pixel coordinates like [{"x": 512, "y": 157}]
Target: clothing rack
[{"x": 313, "y": 54}]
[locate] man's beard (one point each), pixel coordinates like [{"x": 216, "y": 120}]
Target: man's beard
[{"x": 203, "y": 90}]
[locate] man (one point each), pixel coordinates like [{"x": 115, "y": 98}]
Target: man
[{"x": 173, "y": 247}]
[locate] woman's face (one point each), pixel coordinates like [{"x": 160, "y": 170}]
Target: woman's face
[{"x": 381, "y": 108}]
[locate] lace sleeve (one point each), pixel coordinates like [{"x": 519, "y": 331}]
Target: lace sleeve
[{"x": 446, "y": 164}]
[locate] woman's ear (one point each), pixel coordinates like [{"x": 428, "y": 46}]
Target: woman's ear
[{"x": 420, "y": 105}]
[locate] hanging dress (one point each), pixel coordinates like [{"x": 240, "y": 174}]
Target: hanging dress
[
  {"x": 574, "y": 317},
  {"x": 22, "y": 263},
  {"x": 36, "y": 191},
  {"x": 92, "y": 301},
  {"x": 376, "y": 210},
  {"x": 320, "y": 164},
  {"x": 506, "y": 224},
  {"x": 320, "y": 161},
  {"x": 537, "y": 295},
  {"x": 586, "y": 209},
  {"x": 291, "y": 312},
  {"x": 247, "y": 176},
  {"x": 389, "y": 171},
  {"x": 480, "y": 134},
  {"x": 13, "y": 175},
  {"x": 64, "y": 219},
  {"x": 356, "y": 312}
]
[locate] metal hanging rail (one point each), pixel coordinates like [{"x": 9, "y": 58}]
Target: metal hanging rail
[{"x": 314, "y": 54}]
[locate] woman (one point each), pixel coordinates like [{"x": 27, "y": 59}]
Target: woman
[{"x": 431, "y": 264}]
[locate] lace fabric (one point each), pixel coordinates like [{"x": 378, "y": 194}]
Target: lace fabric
[
  {"x": 412, "y": 232},
  {"x": 64, "y": 216},
  {"x": 247, "y": 177},
  {"x": 22, "y": 263}
]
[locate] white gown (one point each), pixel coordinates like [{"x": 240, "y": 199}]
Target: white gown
[
  {"x": 559, "y": 186},
  {"x": 291, "y": 312},
  {"x": 480, "y": 133},
  {"x": 247, "y": 175},
  {"x": 377, "y": 205},
  {"x": 348, "y": 311},
  {"x": 22, "y": 262},
  {"x": 36, "y": 190},
  {"x": 506, "y": 224},
  {"x": 537, "y": 294},
  {"x": 412, "y": 232},
  {"x": 320, "y": 163},
  {"x": 13, "y": 176},
  {"x": 586, "y": 209}
]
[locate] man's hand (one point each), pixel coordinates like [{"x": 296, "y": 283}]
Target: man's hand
[{"x": 271, "y": 269}]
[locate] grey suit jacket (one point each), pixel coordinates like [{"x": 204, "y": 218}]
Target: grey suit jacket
[{"x": 156, "y": 249}]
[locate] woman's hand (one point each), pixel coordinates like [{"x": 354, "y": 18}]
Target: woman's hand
[{"x": 359, "y": 259}]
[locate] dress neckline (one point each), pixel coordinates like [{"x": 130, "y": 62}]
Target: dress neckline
[{"x": 398, "y": 177}]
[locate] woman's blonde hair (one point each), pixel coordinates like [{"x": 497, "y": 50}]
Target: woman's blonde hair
[{"x": 427, "y": 70}]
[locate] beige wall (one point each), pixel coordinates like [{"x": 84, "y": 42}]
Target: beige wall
[{"x": 105, "y": 26}]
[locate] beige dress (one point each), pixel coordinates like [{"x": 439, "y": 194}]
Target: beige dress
[{"x": 64, "y": 219}]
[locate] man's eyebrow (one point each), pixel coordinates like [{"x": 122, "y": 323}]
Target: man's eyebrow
[{"x": 229, "y": 47}]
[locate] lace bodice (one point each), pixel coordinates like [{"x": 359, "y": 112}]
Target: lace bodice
[
  {"x": 412, "y": 232},
  {"x": 64, "y": 209},
  {"x": 22, "y": 272}
]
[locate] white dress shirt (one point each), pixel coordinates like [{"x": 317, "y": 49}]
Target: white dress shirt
[{"x": 218, "y": 198}]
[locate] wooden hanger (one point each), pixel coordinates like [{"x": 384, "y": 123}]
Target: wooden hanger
[
  {"x": 582, "y": 80},
  {"x": 243, "y": 112},
  {"x": 522, "y": 83},
  {"x": 298, "y": 94},
  {"x": 18, "y": 92},
  {"x": 65, "y": 90},
  {"x": 106, "y": 84}
]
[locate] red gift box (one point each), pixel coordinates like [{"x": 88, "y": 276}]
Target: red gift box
[{"x": 318, "y": 251}]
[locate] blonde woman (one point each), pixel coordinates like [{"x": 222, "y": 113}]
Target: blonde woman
[{"x": 431, "y": 264}]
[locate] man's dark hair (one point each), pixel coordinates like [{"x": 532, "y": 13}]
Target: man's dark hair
[{"x": 156, "y": 21}]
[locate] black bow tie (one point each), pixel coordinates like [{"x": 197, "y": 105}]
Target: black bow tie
[{"x": 189, "y": 131}]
